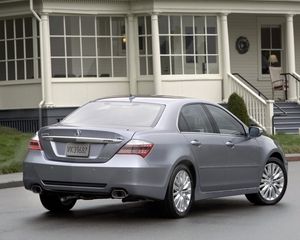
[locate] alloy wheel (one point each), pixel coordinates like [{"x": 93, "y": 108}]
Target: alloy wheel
[
  {"x": 272, "y": 182},
  {"x": 182, "y": 191}
]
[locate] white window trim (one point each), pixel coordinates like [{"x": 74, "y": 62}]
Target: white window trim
[
  {"x": 20, "y": 82},
  {"x": 35, "y": 58},
  {"x": 146, "y": 35},
  {"x": 191, "y": 77},
  {"x": 269, "y": 21},
  {"x": 81, "y": 57},
  {"x": 218, "y": 55},
  {"x": 90, "y": 80}
]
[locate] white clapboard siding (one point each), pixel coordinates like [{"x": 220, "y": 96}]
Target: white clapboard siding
[{"x": 247, "y": 64}]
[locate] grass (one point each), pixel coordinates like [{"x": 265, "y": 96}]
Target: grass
[
  {"x": 13, "y": 148},
  {"x": 289, "y": 143}
]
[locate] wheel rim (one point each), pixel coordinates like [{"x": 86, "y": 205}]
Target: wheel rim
[
  {"x": 272, "y": 182},
  {"x": 182, "y": 191}
]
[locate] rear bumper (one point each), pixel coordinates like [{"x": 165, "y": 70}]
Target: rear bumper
[{"x": 129, "y": 172}]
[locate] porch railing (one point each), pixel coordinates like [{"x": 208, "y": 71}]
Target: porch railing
[{"x": 260, "y": 111}]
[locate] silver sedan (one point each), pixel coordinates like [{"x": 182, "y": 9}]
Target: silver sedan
[{"x": 172, "y": 150}]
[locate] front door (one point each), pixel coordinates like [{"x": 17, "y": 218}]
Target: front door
[
  {"x": 226, "y": 158},
  {"x": 242, "y": 162}
]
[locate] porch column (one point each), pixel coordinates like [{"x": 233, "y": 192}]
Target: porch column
[
  {"x": 46, "y": 54},
  {"x": 290, "y": 56},
  {"x": 132, "y": 71},
  {"x": 226, "y": 56},
  {"x": 156, "y": 54}
]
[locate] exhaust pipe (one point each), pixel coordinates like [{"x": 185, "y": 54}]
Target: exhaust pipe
[
  {"x": 36, "y": 189},
  {"x": 119, "y": 194}
]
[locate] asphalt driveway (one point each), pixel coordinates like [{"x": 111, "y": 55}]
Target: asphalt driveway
[{"x": 23, "y": 217}]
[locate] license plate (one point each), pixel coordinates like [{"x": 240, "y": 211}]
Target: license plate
[{"x": 77, "y": 150}]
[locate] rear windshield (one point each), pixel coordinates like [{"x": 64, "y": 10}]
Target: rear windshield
[{"x": 116, "y": 114}]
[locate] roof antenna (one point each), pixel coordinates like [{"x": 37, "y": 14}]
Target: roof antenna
[{"x": 131, "y": 97}]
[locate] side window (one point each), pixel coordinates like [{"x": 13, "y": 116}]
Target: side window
[
  {"x": 193, "y": 118},
  {"x": 225, "y": 122}
]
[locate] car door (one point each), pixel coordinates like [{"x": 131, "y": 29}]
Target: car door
[
  {"x": 207, "y": 147},
  {"x": 241, "y": 162}
]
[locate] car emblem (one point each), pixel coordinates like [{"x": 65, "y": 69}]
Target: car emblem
[{"x": 78, "y": 133}]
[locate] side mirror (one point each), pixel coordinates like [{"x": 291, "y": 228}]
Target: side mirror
[{"x": 255, "y": 132}]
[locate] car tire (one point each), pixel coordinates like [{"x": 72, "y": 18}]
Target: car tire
[
  {"x": 272, "y": 185},
  {"x": 180, "y": 193},
  {"x": 53, "y": 202}
]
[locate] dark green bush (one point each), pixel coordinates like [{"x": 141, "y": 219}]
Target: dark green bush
[{"x": 237, "y": 106}]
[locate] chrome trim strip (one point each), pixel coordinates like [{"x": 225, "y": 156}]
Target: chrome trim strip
[{"x": 82, "y": 139}]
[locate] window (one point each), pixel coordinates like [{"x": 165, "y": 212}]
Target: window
[
  {"x": 193, "y": 119},
  {"x": 188, "y": 44},
  {"x": 116, "y": 114},
  {"x": 88, "y": 46},
  {"x": 225, "y": 122},
  {"x": 19, "y": 49},
  {"x": 145, "y": 45},
  {"x": 271, "y": 44}
]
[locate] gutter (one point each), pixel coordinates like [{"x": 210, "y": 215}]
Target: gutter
[{"x": 42, "y": 102}]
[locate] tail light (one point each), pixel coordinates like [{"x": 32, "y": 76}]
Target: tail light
[
  {"x": 34, "y": 144},
  {"x": 137, "y": 147}
]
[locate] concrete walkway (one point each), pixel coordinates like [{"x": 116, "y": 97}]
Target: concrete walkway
[{"x": 16, "y": 179}]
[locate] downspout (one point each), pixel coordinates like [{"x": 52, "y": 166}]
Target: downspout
[{"x": 42, "y": 102}]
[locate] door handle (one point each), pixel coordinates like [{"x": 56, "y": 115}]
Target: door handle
[
  {"x": 229, "y": 144},
  {"x": 196, "y": 143}
]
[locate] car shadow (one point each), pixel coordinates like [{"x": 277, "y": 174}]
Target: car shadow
[{"x": 148, "y": 211}]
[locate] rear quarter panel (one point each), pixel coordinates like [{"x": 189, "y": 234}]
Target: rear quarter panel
[{"x": 170, "y": 148}]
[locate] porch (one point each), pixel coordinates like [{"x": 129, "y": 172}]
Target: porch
[{"x": 267, "y": 37}]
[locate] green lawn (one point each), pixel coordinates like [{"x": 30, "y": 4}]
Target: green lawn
[
  {"x": 289, "y": 143},
  {"x": 13, "y": 148}
]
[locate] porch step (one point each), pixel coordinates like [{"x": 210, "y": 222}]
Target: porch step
[
  {"x": 292, "y": 110},
  {"x": 289, "y": 123},
  {"x": 287, "y": 130},
  {"x": 288, "y": 118}
]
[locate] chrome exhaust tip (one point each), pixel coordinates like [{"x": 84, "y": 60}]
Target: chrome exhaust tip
[
  {"x": 36, "y": 189},
  {"x": 119, "y": 194}
]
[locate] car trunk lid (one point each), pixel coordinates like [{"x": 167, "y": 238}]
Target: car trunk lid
[{"x": 78, "y": 144}]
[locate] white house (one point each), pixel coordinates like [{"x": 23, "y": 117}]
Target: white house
[{"x": 58, "y": 54}]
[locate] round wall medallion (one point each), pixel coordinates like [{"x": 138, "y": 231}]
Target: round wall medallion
[{"x": 242, "y": 45}]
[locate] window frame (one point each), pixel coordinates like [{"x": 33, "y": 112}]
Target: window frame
[
  {"x": 146, "y": 55},
  {"x": 169, "y": 35},
  {"x": 209, "y": 123},
  {"x": 215, "y": 125},
  {"x": 271, "y": 21},
  {"x": 97, "y": 57},
  {"x": 35, "y": 58}
]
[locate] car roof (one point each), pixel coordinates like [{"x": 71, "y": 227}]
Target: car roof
[{"x": 166, "y": 100}]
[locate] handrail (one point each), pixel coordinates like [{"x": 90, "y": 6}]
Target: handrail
[
  {"x": 280, "y": 109},
  {"x": 256, "y": 105},
  {"x": 261, "y": 94},
  {"x": 260, "y": 108},
  {"x": 293, "y": 75},
  {"x": 296, "y": 76},
  {"x": 252, "y": 86},
  {"x": 247, "y": 88}
]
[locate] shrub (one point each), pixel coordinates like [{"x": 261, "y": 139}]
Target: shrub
[
  {"x": 13, "y": 148},
  {"x": 237, "y": 106}
]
